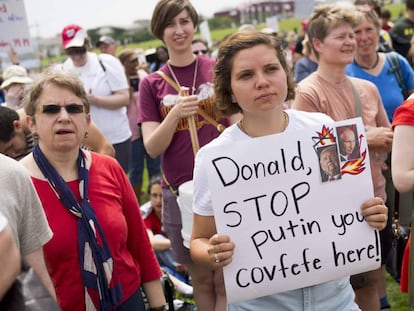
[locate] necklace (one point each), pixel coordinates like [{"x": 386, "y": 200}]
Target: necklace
[
  {"x": 370, "y": 67},
  {"x": 193, "y": 89},
  {"x": 285, "y": 124}
]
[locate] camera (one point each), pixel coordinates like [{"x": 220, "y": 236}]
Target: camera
[{"x": 134, "y": 82}]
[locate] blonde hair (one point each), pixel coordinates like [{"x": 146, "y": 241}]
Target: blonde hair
[{"x": 324, "y": 18}]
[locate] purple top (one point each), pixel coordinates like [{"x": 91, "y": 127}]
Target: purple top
[{"x": 156, "y": 99}]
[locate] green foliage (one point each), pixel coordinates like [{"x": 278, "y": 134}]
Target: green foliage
[
  {"x": 397, "y": 300},
  {"x": 396, "y": 10},
  {"x": 220, "y": 23}
]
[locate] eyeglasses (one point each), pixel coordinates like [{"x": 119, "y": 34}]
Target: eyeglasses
[
  {"x": 76, "y": 51},
  {"x": 156, "y": 195},
  {"x": 55, "y": 109},
  {"x": 198, "y": 52}
]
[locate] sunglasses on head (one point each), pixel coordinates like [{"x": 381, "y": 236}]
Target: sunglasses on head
[
  {"x": 197, "y": 52},
  {"x": 76, "y": 51},
  {"x": 55, "y": 109}
]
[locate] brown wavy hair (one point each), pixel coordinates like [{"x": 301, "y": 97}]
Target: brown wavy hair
[{"x": 224, "y": 63}]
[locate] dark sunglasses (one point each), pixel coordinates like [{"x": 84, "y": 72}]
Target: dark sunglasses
[
  {"x": 197, "y": 52},
  {"x": 55, "y": 109},
  {"x": 76, "y": 51}
]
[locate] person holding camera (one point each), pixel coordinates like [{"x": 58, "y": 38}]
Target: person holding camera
[{"x": 129, "y": 59}]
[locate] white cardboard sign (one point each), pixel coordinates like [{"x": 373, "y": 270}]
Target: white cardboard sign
[
  {"x": 14, "y": 33},
  {"x": 292, "y": 227}
]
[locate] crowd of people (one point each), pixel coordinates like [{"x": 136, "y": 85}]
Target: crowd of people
[{"x": 84, "y": 132}]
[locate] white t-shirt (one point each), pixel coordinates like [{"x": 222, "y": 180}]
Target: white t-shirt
[
  {"x": 202, "y": 204},
  {"x": 102, "y": 82},
  {"x": 3, "y": 222}
]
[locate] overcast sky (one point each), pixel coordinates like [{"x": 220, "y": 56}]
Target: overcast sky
[{"x": 47, "y": 18}]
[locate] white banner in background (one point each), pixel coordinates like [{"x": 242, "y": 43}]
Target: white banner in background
[
  {"x": 14, "y": 33},
  {"x": 205, "y": 33}
]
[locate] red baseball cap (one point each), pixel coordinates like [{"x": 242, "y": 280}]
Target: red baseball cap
[{"x": 73, "y": 36}]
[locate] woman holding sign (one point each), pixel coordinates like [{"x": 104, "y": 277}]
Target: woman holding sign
[{"x": 257, "y": 87}]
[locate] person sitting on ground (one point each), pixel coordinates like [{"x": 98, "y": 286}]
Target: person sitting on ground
[
  {"x": 152, "y": 211},
  {"x": 16, "y": 140}
]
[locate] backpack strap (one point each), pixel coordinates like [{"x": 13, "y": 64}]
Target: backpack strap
[
  {"x": 392, "y": 58},
  {"x": 169, "y": 80},
  {"x": 358, "y": 106},
  {"x": 101, "y": 63}
]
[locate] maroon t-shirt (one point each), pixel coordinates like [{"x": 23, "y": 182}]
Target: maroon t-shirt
[{"x": 157, "y": 98}]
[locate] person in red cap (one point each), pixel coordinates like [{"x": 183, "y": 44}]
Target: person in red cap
[{"x": 104, "y": 81}]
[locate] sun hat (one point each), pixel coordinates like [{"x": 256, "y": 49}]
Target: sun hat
[
  {"x": 73, "y": 36},
  {"x": 15, "y": 74}
]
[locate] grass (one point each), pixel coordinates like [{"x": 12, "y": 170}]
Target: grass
[{"x": 397, "y": 300}]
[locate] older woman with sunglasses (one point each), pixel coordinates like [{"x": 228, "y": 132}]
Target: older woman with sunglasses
[
  {"x": 107, "y": 88},
  {"x": 100, "y": 254},
  {"x": 200, "y": 47}
]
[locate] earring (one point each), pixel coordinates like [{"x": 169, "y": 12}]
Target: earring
[
  {"x": 86, "y": 135},
  {"x": 233, "y": 99}
]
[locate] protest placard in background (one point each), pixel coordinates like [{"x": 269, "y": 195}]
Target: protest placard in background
[
  {"x": 292, "y": 226},
  {"x": 14, "y": 33},
  {"x": 205, "y": 33}
]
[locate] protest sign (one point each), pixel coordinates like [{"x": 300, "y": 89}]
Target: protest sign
[
  {"x": 14, "y": 33},
  {"x": 293, "y": 209},
  {"x": 272, "y": 23},
  {"x": 205, "y": 33}
]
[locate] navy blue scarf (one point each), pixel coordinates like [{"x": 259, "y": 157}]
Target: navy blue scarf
[{"x": 96, "y": 261}]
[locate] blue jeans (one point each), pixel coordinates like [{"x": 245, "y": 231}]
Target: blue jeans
[
  {"x": 123, "y": 153},
  {"x": 136, "y": 167}
]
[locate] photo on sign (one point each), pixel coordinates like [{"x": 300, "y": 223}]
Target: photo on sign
[{"x": 348, "y": 142}]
